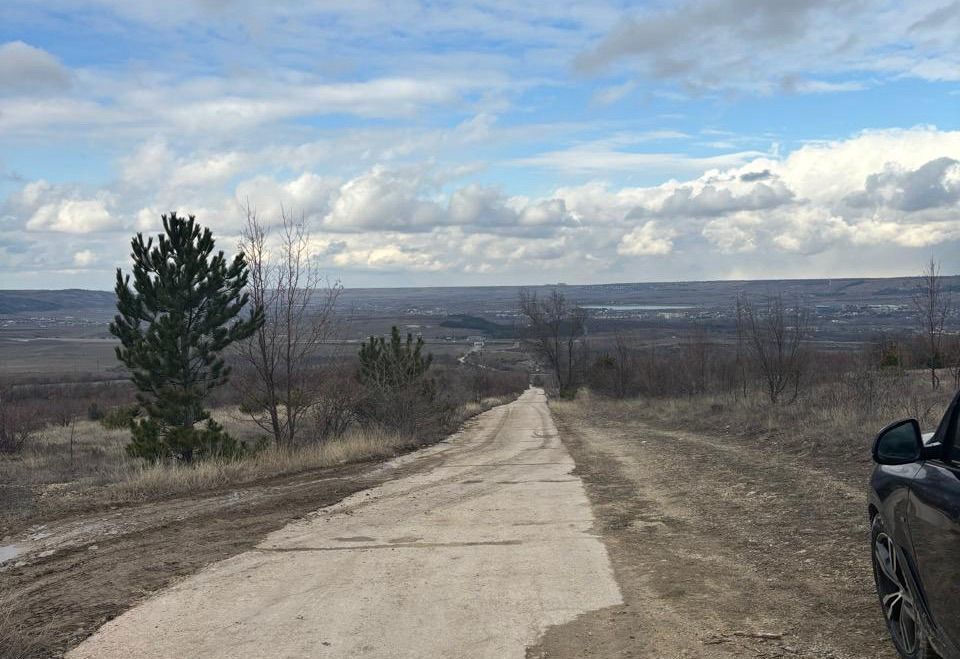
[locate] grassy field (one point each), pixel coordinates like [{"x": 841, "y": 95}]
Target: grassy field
[
  {"x": 832, "y": 424},
  {"x": 84, "y": 465}
]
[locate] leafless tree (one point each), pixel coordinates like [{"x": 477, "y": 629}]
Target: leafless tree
[
  {"x": 282, "y": 358},
  {"x": 557, "y": 332},
  {"x": 614, "y": 371},
  {"x": 695, "y": 359},
  {"x": 18, "y": 425},
  {"x": 775, "y": 339},
  {"x": 740, "y": 362},
  {"x": 624, "y": 365},
  {"x": 932, "y": 304},
  {"x": 952, "y": 350}
]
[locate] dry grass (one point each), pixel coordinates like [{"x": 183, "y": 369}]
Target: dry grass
[
  {"x": 831, "y": 424},
  {"x": 16, "y": 642},
  {"x": 158, "y": 481},
  {"x": 44, "y": 478}
]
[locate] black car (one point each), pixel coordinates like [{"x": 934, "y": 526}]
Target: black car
[{"x": 915, "y": 533}]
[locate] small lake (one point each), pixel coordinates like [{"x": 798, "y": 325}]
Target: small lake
[{"x": 637, "y": 307}]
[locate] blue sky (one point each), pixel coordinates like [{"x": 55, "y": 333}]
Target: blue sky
[{"x": 486, "y": 142}]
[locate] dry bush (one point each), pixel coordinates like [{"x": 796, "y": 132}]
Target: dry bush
[
  {"x": 61, "y": 403},
  {"x": 85, "y": 465},
  {"x": 18, "y": 424},
  {"x": 335, "y": 408},
  {"x": 832, "y": 423},
  {"x": 846, "y": 398}
]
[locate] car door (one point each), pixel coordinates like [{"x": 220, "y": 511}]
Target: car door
[{"x": 934, "y": 521}]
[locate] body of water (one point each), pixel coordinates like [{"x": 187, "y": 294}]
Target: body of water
[{"x": 637, "y": 307}]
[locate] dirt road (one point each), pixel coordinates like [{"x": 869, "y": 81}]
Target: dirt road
[
  {"x": 723, "y": 546},
  {"x": 616, "y": 538},
  {"x": 476, "y": 556}
]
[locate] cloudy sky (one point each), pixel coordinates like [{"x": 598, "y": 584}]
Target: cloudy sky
[{"x": 436, "y": 143}]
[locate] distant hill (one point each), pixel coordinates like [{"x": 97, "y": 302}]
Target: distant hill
[
  {"x": 468, "y": 302},
  {"x": 65, "y": 301}
]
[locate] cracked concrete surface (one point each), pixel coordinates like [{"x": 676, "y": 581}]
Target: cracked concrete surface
[{"x": 473, "y": 556}]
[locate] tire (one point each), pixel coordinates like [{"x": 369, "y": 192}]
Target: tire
[{"x": 898, "y": 602}]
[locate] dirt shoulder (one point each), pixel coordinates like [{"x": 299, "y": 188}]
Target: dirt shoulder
[
  {"x": 86, "y": 570},
  {"x": 722, "y": 548}
]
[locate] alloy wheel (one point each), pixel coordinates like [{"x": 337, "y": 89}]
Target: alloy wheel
[{"x": 899, "y": 604}]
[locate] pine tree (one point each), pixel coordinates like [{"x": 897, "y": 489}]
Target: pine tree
[
  {"x": 173, "y": 324},
  {"x": 394, "y": 365}
]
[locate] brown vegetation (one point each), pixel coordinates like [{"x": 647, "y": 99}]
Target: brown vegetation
[
  {"x": 556, "y": 332},
  {"x": 84, "y": 465},
  {"x": 282, "y": 379}
]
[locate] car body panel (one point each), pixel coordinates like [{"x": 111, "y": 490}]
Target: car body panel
[
  {"x": 934, "y": 523},
  {"x": 920, "y": 506}
]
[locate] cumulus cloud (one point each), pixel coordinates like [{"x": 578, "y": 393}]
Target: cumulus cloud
[
  {"x": 712, "y": 199},
  {"x": 405, "y": 200},
  {"x": 72, "y": 216},
  {"x": 382, "y": 199},
  {"x": 877, "y": 190},
  {"x": 647, "y": 240},
  {"x": 390, "y": 257},
  {"x": 26, "y": 69},
  {"x": 934, "y": 184}
]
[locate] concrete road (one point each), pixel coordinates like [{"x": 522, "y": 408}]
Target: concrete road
[{"x": 484, "y": 543}]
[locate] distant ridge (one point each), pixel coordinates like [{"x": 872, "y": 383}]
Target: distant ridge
[
  {"x": 40, "y": 301},
  {"x": 477, "y": 300}
]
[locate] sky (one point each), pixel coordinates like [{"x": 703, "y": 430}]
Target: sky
[{"x": 488, "y": 142}]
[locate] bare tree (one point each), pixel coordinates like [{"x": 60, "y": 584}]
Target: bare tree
[
  {"x": 695, "y": 359},
  {"x": 740, "y": 363},
  {"x": 624, "y": 366},
  {"x": 614, "y": 372},
  {"x": 557, "y": 331},
  {"x": 18, "y": 424},
  {"x": 932, "y": 304},
  {"x": 952, "y": 348},
  {"x": 775, "y": 336},
  {"x": 282, "y": 357}
]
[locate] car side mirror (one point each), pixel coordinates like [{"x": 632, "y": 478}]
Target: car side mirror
[{"x": 899, "y": 443}]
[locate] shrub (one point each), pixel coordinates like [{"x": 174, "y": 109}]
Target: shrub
[
  {"x": 120, "y": 417},
  {"x": 17, "y": 424},
  {"x": 153, "y": 443},
  {"x": 94, "y": 412}
]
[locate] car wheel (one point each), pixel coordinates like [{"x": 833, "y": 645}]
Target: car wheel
[{"x": 897, "y": 598}]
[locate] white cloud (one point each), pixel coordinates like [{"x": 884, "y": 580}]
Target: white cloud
[
  {"x": 389, "y": 257},
  {"x": 597, "y": 158},
  {"x": 647, "y": 240},
  {"x": 877, "y": 190},
  {"x": 84, "y": 258},
  {"x": 72, "y": 216},
  {"x": 382, "y": 199},
  {"x": 613, "y": 93},
  {"x": 26, "y": 69},
  {"x": 766, "y": 47}
]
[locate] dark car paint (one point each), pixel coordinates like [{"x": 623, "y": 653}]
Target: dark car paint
[{"x": 920, "y": 505}]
